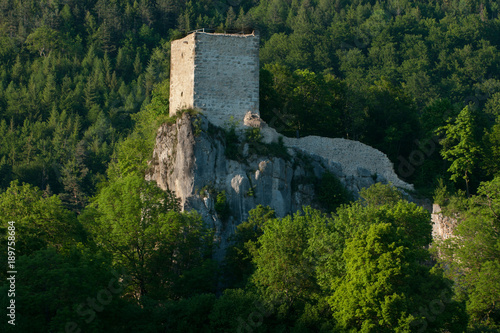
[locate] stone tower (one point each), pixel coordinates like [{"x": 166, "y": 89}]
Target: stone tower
[{"x": 216, "y": 73}]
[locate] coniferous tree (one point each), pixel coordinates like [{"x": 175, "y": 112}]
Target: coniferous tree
[{"x": 460, "y": 146}]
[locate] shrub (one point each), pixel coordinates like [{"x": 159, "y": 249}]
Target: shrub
[
  {"x": 330, "y": 192},
  {"x": 221, "y": 206},
  {"x": 232, "y": 141}
]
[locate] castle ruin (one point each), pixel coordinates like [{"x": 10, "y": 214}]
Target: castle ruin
[{"x": 217, "y": 74}]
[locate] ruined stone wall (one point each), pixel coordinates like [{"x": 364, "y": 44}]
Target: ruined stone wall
[
  {"x": 221, "y": 71},
  {"x": 182, "y": 74}
]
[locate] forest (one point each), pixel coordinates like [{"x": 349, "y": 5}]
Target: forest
[{"x": 84, "y": 86}]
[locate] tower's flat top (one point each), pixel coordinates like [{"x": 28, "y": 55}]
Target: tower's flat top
[{"x": 203, "y": 31}]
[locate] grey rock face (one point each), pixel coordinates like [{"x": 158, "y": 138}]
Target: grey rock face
[
  {"x": 442, "y": 225},
  {"x": 190, "y": 159}
]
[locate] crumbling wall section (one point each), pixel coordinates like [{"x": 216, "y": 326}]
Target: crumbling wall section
[{"x": 355, "y": 158}]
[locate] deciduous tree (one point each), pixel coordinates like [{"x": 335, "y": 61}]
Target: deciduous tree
[{"x": 141, "y": 226}]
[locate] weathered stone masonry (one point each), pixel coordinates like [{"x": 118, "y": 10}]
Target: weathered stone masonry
[
  {"x": 216, "y": 73},
  {"x": 219, "y": 74}
]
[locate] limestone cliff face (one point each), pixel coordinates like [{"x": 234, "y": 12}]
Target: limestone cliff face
[
  {"x": 442, "y": 225},
  {"x": 189, "y": 158}
]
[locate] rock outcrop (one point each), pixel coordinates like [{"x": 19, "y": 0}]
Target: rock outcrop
[
  {"x": 442, "y": 225},
  {"x": 190, "y": 158}
]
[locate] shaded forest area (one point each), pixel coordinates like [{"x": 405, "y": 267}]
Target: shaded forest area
[{"x": 84, "y": 86}]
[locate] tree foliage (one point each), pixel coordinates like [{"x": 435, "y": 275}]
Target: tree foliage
[
  {"x": 460, "y": 146},
  {"x": 84, "y": 86},
  {"x": 41, "y": 221},
  {"x": 473, "y": 255},
  {"x": 141, "y": 226}
]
